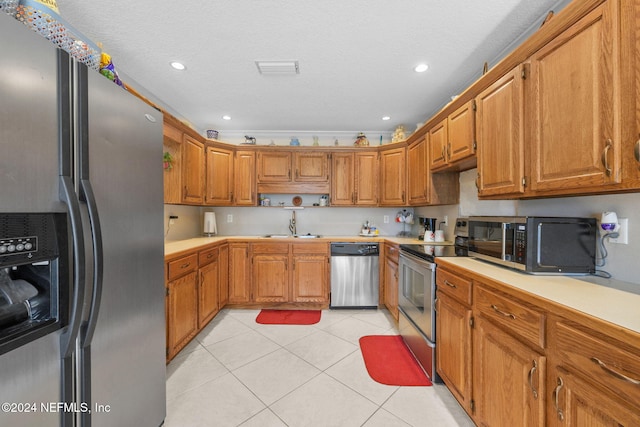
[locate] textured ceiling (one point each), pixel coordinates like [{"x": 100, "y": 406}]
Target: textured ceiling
[{"x": 356, "y": 57}]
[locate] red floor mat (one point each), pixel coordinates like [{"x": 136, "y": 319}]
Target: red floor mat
[
  {"x": 288, "y": 317},
  {"x": 389, "y": 361}
]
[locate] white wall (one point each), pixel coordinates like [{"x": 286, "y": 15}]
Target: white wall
[
  {"x": 333, "y": 221},
  {"x": 622, "y": 261}
]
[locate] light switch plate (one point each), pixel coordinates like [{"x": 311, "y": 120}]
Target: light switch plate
[{"x": 229, "y": 218}]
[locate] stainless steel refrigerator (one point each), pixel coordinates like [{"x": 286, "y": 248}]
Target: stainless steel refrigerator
[{"x": 82, "y": 156}]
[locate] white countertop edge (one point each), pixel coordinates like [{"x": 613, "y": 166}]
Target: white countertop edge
[
  {"x": 612, "y": 305},
  {"x": 173, "y": 247}
]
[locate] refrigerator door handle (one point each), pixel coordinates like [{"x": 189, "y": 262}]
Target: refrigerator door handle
[
  {"x": 98, "y": 267},
  {"x": 68, "y": 337}
]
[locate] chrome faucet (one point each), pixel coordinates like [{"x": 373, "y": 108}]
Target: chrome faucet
[{"x": 292, "y": 223}]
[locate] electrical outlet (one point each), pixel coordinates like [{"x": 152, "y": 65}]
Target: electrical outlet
[
  {"x": 229, "y": 218},
  {"x": 385, "y": 219},
  {"x": 623, "y": 232},
  {"x": 445, "y": 220}
]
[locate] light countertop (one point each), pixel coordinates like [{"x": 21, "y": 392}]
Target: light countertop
[
  {"x": 177, "y": 246},
  {"x": 602, "y": 300}
]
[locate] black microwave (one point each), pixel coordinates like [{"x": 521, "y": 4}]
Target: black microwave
[{"x": 542, "y": 245}]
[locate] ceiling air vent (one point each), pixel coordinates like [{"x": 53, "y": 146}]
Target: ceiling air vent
[{"x": 278, "y": 67}]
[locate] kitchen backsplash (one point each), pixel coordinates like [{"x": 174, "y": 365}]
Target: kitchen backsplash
[
  {"x": 256, "y": 221},
  {"x": 622, "y": 261}
]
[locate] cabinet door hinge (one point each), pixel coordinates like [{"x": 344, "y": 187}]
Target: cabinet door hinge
[
  {"x": 166, "y": 352},
  {"x": 523, "y": 73},
  {"x": 471, "y": 322},
  {"x": 524, "y": 181},
  {"x": 472, "y": 404},
  {"x": 167, "y": 289},
  {"x": 475, "y": 145},
  {"x": 474, "y": 107}
]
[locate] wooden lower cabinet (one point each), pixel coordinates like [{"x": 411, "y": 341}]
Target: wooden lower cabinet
[
  {"x": 508, "y": 379},
  {"x": 195, "y": 283},
  {"x": 310, "y": 275},
  {"x": 223, "y": 278},
  {"x": 453, "y": 352},
  {"x": 239, "y": 277},
  {"x": 511, "y": 358},
  {"x": 270, "y": 273},
  {"x": 576, "y": 403},
  {"x": 390, "y": 276},
  {"x": 182, "y": 312},
  {"x": 208, "y": 292},
  {"x": 285, "y": 273}
]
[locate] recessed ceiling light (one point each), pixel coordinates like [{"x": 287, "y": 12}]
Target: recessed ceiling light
[
  {"x": 226, "y": 117},
  {"x": 386, "y": 118},
  {"x": 178, "y": 65},
  {"x": 421, "y": 68}
]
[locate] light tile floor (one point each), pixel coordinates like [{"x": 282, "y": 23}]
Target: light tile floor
[{"x": 240, "y": 373}]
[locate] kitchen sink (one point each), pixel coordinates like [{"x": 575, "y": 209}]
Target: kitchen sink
[
  {"x": 277, "y": 236},
  {"x": 307, "y": 236}
]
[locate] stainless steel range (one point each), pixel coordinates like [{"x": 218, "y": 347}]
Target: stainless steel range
[{"x": 417, "y": 292}]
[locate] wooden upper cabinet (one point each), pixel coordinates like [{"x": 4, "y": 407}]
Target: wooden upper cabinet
[
  {"x": 172, "y": 144},
  {"x": 499, "y": 131},
  {"x": 453, "y": 140},
  {"x": 366, "y": 178},
  {"x": 462, "y": 123},
  {"x": 192, "y": 170},
  {"x": 342, "y": 179},
  {"x": 417, "y": 172},
  {"x": 274, "y": 166},
  {"x": 311, "y": 167},
  {"x": 438, "y": 137},
  {"x": 354, "y": 179},
  {"x": 289, "y": 172},
  {"x": 576, "y": 142},
  {"x": 244, "y": 183},
  {"x": 393, "y": 177},
  {"x": 219, "y": 176}
]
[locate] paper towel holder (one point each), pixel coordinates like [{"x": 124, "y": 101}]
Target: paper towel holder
[{"x": 210, "y": 227}]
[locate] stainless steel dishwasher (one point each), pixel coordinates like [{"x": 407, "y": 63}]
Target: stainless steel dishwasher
[{"x": 354, "y": 275}]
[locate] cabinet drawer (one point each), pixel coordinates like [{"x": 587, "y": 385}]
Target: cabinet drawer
[
  {"x": 311, "y": 248},
  {"x": 393, "y": 252},
  {"x": 182, "y": 266},
  {"x": 603, "y": 362},
  {"x": 524, "y": 321},
  {"x": 270, "y": 248},
  {"x": 454, "y": 285},
  {"x": 207, "y": 256}
]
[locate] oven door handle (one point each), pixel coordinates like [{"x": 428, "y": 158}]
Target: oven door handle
[{"x": 422, "y": 262}]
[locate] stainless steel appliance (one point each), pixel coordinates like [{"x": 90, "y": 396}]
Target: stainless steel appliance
[
  {"x": 84, "y": 155},
  {"x": 354, "y": 275},
  {"x": 542, "y": 245},
  {"x": 417, "y": 292}
]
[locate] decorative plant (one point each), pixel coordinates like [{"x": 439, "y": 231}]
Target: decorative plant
[{"x": 168, "y": 160}]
